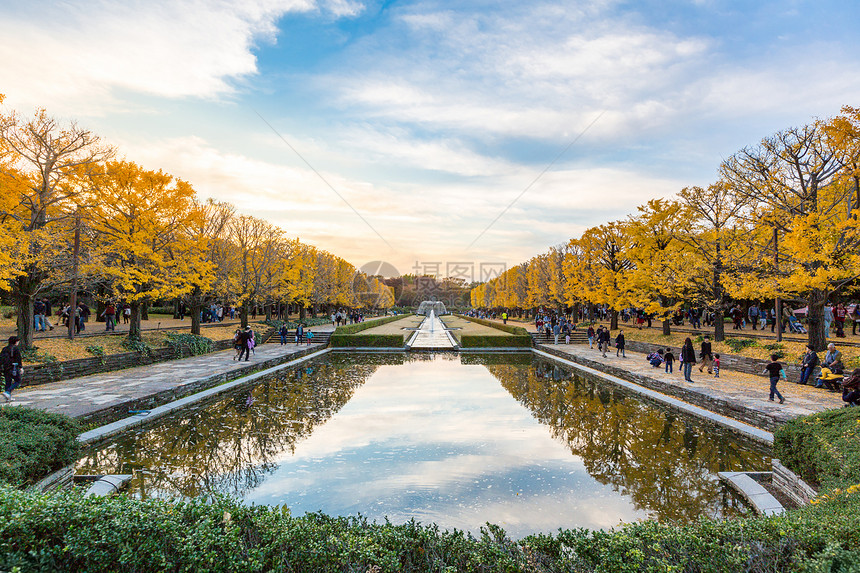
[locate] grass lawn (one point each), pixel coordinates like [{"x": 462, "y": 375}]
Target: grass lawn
[
  {"x": 64, "y": 349},
  {"x": 397, "y": 326},
  {"x": 470, "y": 328}
]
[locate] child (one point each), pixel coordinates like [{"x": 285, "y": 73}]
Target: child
[
  {"x": 716, "y": 365},
  {"x": 775, "y": 371},
  {"x": 310, "y": 337},
  {"x": 670, "y": 359}
]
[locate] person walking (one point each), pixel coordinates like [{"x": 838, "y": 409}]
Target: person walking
[
  {"x": 245, "y": 344},
  {"x": 13, "y": 367},
  {"x": 619, "y": 344},
  {"x": 84, "y": 315},
  {"x": 300, "y": 333},
  {"x": 590, "y": 334},
  {"x": 39, "y": 315},
  {"x": 840, "y": 314},
  {"x": 283, "y": 332},
  {"x": 603, "y": 338},
  {"x": 828, "y": 319},
  {"x": 110, "y": 317},
  {"x": 670, "y": 360},
  {"x": 808, "y": 364},
  {"x": 775, "y": 371},
  {"x": 556, "y": 330},
  {"x": 688, "y": 358},
  {"x": 753, "y": 314},
  {"x": 706, "y": 355},
  {"x": 505, "y": 319},
  {"x": 48, "y": 311}
]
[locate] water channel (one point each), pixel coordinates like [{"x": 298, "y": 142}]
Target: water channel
[{"x": 458, "y": 440}]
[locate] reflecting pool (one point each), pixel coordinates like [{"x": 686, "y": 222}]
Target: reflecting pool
[{"x": 458, "y": 440}]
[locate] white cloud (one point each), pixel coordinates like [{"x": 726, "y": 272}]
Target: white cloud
[{"x": 75, "y": 58}]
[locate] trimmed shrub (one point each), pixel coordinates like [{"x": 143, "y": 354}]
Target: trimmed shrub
[
  {"x": 510, "y": 329},
  {"x": 355, "y": 328},
  {"x": 34, "y": 443},
  {"x": 366, "y": 340},
  {"x": 484, "y": 341}
]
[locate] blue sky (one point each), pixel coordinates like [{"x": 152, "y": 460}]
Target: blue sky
[{"x": 429, "y": 117}]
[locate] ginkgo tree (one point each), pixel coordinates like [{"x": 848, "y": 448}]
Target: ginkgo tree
[
  {"x": 793, "y": 176},
  {"x": 45, "y": 165},
  {"x": 144, "y": 225},
  {"x": 660, "y": 278}
]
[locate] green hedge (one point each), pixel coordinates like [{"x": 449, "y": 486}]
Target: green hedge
[
  {"x": 488, "y": 341},
  {"x": 509, "y": 328},
  {"x": 34, "y": 443},
  {"x": 367, "y": 340},
  {"x": 66, "y": 532},
  {"x": 824, "y": 449},
  {"x": 355, "y": 328}
]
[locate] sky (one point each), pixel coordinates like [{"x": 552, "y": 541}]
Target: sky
[{"x": 427, "y": 133}]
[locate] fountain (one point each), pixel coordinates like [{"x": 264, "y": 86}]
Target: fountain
[
  {"x": 428, "y": 306},
  {"x": 432, "y": 334}
]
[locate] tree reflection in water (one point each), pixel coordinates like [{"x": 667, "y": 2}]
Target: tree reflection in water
[
  {"x": 666, "y": 464},
  {"x": 230, "y": 445}
]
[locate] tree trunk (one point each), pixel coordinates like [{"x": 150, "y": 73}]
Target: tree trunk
[
  {"x": 101, "y": 305},
  {"x": 667, "y": 326},
  {"x": 815, "y": 316},
  {"x": 176, "y": 303},
  {"x": 134, "y": 326},
  {"x": 24, "y": 303},
  {"x": 196, "y": 307},
  {"x": 719, "y": 326},
  {"x": 269, "y": 311},
  {"x": 303, "y": 312},
  {"x": 144, "y": 311},
  {"x": 613, "y": 319},
  {"x": 243, "y": 315}
]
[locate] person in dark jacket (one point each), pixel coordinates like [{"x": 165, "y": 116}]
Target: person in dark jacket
[
  {"x": 775, "y": 371},
  {"x": 245, "y": 343},
  {"x": 810, "y": 361},
  {"x": 619, "y": 344},
  {"x": 851, "y": 389},
  {"x": 13, "y": 367},
  {"x": 705, "y": 355},
  {"x": 604, "y": 340},
  {"x": 688, "y": 358}
]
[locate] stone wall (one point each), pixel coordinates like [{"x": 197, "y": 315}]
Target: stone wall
[
  {"x": 45, "y": 373},
  {"x": 121, "y": 410},
  {"x": 733, "y": 410},
  {"x": 791, "y": 485}
]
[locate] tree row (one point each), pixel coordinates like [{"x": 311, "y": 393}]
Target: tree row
[{"x": 781, "y": 223}]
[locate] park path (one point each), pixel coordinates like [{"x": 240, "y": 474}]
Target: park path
[
  {"x": 746, "y": 391},
  {"x": 109, "y": 396}
]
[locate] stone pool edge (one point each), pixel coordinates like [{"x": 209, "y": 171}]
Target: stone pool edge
[
  {"x": 749, "y": 431},
  {"x": 112, "y": 429}
]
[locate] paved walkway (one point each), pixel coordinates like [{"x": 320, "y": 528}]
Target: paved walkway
[
  {"x": 745, "y": 390},
  {"x": 112, "y": 394}
]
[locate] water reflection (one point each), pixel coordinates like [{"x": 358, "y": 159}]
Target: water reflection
[
  {"x": 435, "y": 437},
  {"x": 666, "y": 464}
]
